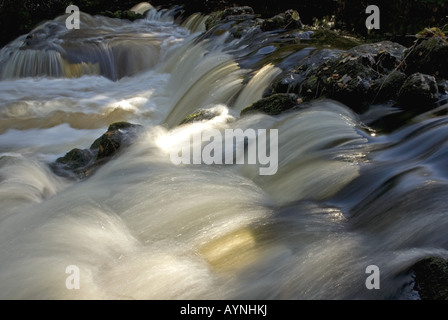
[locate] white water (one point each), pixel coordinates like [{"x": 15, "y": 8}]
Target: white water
[{"x": 143, "y": 228}]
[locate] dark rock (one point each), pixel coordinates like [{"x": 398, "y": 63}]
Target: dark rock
[
  {"x": 118, "y": 135},
  {"x": 74, "y": 161},
  {"x": 335, "y": 39},
  {"x": 237, "y": 11},
  {"x": 230, "y": 14},
  {"x": 122, "y": 14},
  {"x": 387, "y": 87},
  {"x": 274, "y": 105},
  {"x": 431, "y": 278},
  {"x": 80, "y": 163},
  {"x": 351, "y": 77},
  {"x": 213, "y": 20},
  {"x": 387, "y": 55},
  {"x": 428, "y": 56},
  {"x": 419, "y": 91},
  {"x": 290, "y": 81}
]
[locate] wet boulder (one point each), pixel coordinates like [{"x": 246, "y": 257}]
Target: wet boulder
[
  {"x": 123, "y": 14},
  {"x": 237, "y": 11},
  {"x": 428, "y": 55},
  {"x": 291, "y": 79},
  {"x": 388, "y": 86},
  {"x": 274, "y": 105},
  {"x": 351, "y": 77},
  {"x": 76, "y": 159},
  {"x": 80, "y": 163},
  {"x": 288, "y": 20},
  {"x": 431, "y": 278},
  {"x": 118, "y": 135},
  {"x": 201, "y": 115},
  {"x": 419, "y": 91},
  {"x": 235, "y": 14}
]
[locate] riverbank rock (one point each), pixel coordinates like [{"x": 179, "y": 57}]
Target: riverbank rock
[
  {"x": 236, "y": 14},
  {"x": 288, "y": 20},
  {"x": 123, "y": 14},
  {"x": 350, "y": 77},
  {"x": 431, "y": 278},
  {"x": 428, "y": 55},
  {"x": 81, "y": 163}
]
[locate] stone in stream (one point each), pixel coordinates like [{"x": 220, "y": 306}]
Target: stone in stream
[
  {"x": 201, "y": 115},
  {"x": 275, "y": 104},
  {"x": 351, "y": 77},
  {"x": 431, "y": 278},
  {"x": 290, "y": 19},
  {"x": 429, "y": 54},
  {"x": 419, "y": 91},
  {"x": 81, "y": 163}
]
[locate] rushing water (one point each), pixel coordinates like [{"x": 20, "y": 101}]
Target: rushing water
[{"x": 143, "y": 228}]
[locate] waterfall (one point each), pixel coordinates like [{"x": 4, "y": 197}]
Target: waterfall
[{"x": 142, "y": 227}]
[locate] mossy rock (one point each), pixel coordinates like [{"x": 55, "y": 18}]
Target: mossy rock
[
  {"x": 274, "y": 105},
  {"x": 80, "y": 163},
  {"x": 213, "y": 19},
  {"x": 334, "y": 39},
  {"x": 76, "y": 160},
  {"x": 428, "y": 56},
  {"x": 123, "y": 14},
  {"x": 387, "y": 87},
  {"x": 229, "y": 14},
  {"x": 199, "y": 116},
  {"x": 288, "y": 20},
  {"x": 237, "y": 11},
  {"x": 118, "y": 135},
  {"x": 431, "y": 278},
  {"x": 352, "y": 77}
]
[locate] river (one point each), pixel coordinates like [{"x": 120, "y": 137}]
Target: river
[{"x": 141, "y": 227}]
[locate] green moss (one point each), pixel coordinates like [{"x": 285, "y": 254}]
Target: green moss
[
  {"x": 213, "y": 19},
  {"x": 274, "y": 104},
  {"x": 200, "y": 115},
  {"x": 431, "y": 32}
]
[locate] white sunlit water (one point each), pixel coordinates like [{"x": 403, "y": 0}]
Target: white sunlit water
[{"x": 142, "y": 228}]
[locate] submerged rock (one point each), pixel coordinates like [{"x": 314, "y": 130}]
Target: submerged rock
[
  {"x": 291, "y": 80},
  {"x": 80, "y": 163},
  {"x": 201, "y": 115},
  {"x": 431, "y": 278},
  {"x": 274, "y": 104}
]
